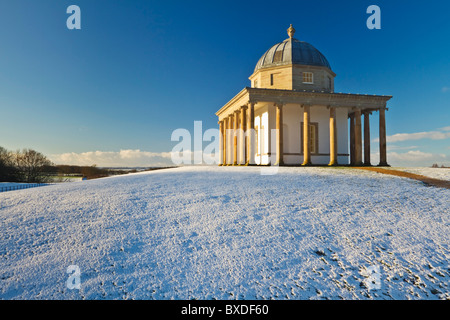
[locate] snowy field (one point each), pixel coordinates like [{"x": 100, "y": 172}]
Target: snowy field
[
  {"x": 228, "y": 233},
  {"x": 436, "y": 173}
]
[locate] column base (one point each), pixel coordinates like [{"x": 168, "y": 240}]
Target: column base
[
  {"x": 333, "y": 164},
  {"x": 305, "y": 164},
  {"x": 383, "y": 164}
]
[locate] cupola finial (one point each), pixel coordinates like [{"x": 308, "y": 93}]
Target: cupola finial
[{"x": 291, "y": 31}]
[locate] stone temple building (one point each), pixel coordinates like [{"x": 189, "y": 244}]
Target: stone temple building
[{"x": 290, "y": 115}]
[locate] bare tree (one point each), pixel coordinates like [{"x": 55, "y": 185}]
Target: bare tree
[
  {"x": 7, "y": 169},
  {"x": 30, "y": 165}
]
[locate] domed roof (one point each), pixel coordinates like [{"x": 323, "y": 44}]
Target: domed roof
[{"x": 292, "y": 51}]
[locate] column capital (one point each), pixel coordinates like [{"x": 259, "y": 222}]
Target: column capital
[{"x": 279, "y": 104}]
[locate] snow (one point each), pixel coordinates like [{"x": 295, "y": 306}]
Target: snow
[
  {"x": 228, "y": 233},
  {"x": 436, "y": 173}
]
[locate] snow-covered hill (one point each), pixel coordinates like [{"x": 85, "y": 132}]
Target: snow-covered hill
[{"x": 228, "y": 233}]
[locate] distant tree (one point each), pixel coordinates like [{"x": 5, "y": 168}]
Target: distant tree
[
  {"x": 8, "y": 173},
  {"x": 435, "y": 165},
  {"x": 31, "y": 166},
  {"x": 3, "y": 165},
  {"x": 91, "y": 172}
]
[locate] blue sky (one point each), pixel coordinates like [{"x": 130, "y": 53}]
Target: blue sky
[{"x": 137, "y": 70}]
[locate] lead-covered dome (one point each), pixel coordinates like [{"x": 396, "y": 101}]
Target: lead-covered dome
[{"x": 292, "y": 51}]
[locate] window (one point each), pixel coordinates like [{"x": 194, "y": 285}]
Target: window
[
  {"x": 308, "y": 77},
  {"x": 313, "y": 137},
  {"x": 255, "y": 84},
  {"x": 271, "y": 79},
  {"x": 329, "y": 83}
]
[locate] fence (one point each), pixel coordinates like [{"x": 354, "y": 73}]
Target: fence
[{"x": 22, "y": 186}]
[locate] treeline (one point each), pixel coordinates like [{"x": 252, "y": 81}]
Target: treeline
[
  {"x": 23, "y": 166},
  {"x": 30, "y": 166},
  {"x": 435, "y": 165},
  {"x": 88, "y": 172}
]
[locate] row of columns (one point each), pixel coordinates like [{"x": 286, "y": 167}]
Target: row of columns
[
  {"x": 356, "y": 154},
  {"x": 245, "y": 117}
]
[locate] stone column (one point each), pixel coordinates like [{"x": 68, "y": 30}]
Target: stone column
[
  {"x": 352, "y": 139},
  {"x": 230, "y": 141},
  {"x": 367, "y": 138},
  {"x": 251, "y": 134},
  {"x": 333, "y": 137},
  {"x": 358, "y": 138},
  {"x": 221, "y": 143},
  {"x": 383, "y": 155},
  {"x": 225, "y": 141},
  {"x": 235, "y": 128},
  {"x": 306, "y": 137},
  {"x": 242, "y": 136},
  {"x": 279, "y": 141}
]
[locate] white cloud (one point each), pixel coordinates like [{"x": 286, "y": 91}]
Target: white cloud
[
  {"x": 133, "y": 158},
  {"x": 391, "y": 147},
  {"x": 439, "y": 134},
  {"x": 445, "y": 89},
  {"x": 413, "y": 158},
  {"x": 433, "y": 135},
  {"x": 417, "y": 158},
  {"x": 122, "y": 158}
]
